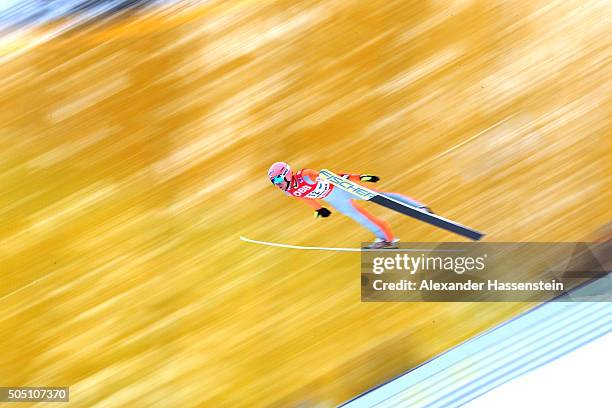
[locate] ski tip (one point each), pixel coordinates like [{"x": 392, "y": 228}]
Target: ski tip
[{"x": 478, "y": 235}]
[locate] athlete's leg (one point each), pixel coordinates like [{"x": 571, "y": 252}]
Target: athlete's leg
[
  {"x": 381, "y": 224},
  {"x": 344, "y": 203}
]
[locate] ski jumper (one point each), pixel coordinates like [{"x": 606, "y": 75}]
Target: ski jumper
[{"x": 308, "y": 186}]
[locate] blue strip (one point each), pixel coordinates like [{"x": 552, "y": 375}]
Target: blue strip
[
  {"x": 23, "y": 13},
  {"x": 516, "y": 347}
]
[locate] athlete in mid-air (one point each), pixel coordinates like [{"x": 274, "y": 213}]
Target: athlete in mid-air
[{"x": 309, "y": 187}]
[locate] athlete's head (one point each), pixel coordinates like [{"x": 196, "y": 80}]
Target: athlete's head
[{"x": 280, "y": 175}]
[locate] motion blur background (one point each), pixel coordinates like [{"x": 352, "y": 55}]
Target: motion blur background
[{"x": 134, "y": 143}]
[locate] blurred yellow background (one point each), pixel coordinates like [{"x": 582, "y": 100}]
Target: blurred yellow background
[{"x": 133, "y": 154}]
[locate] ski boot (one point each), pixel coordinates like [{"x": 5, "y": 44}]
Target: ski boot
[{"x": 382, "y": 244}]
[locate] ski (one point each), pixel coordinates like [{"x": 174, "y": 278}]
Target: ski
[{"x": 388, "y": 202}]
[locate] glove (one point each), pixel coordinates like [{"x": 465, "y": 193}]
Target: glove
[
  {"x": 369, "y": 178},
  {"x": 322, "y": 212}
]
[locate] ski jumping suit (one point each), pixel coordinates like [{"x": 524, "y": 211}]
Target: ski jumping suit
[{"x": 303, "y": 186}]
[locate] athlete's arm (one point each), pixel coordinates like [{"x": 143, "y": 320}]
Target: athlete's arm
[
  {"x": 350, "y": 176},
  {"x": 311, "y": 174},
  {"x": 360, "y": 177}
]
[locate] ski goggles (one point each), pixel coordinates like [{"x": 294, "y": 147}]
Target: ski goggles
[{"x": 278, "y": 179}]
